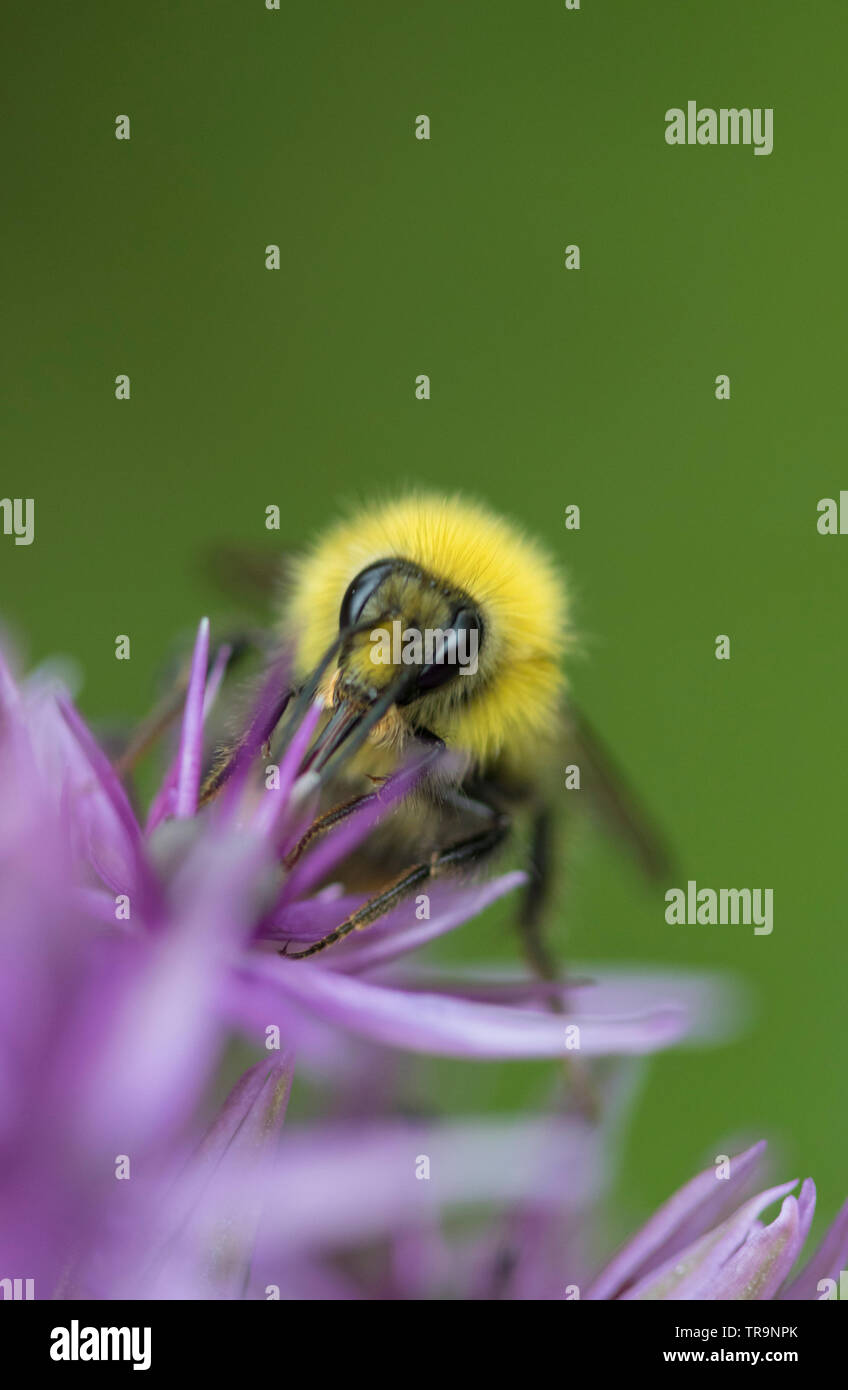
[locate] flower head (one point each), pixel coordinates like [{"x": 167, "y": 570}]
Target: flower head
[
  {"x": 215, "y": 879},
  {"x": 130, "y": 950}
]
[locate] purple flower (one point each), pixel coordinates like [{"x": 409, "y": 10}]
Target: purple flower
[
  {"x": 353, "y": 1190},
  {"x": 209, "y": 889},
  {"x": 129, "y": 952},
  {"x": 687, "y": 1251}
]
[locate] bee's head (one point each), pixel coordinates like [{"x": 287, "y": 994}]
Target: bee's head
[
  {"x": 401, "y": 626},
  {"x": 408, "y": 648},
  {"x": 442, "y": 618}
]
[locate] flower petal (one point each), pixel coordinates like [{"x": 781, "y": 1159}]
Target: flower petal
[
  {"x": 702, "y": 1001},
  {"x": 437, "y": 1024},
  {"x": 688, "y": 1214},
  {"x": 190, "y": 756},
  {"x": 274, "y": 698},
  {"x": 827, "y": 1262},
  {"x": 688, "y": 1272},
  {"x": 399, "y": 932},
  {"x": 311, "y": 918},
  {"x": 276, "y": 801},
  {"x": 114, "y": 834},
  {"x": 163, "y": 802},
  {"x": 338, "y": 843},
  {"x": 341, "y": 1183},
  {"x": 760, "y": 1265},
  {"x": 158, "y": 1036}
]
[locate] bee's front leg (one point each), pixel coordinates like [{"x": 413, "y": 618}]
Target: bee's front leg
[
  {"x": 228, "y": 757},
  {"x": 326, "y": 822},
  {"x": 462, "y": 854}
]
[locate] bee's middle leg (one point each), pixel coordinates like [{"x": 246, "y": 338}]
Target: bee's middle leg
[{"x": 463, "y": 853}]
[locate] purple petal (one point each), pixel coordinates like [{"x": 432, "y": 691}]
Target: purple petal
[
  {"x": 345, "y": 1183},
  {"x": 216, "y": 676},
  {"x": 338, "y": 843},
  {"x": 192, "y": 1231},
  {"x": 300, "y": 1280},
  {"x": 217, "y": 1205},
  {"x": 806, "y": 1209},
  {"x": 311, "y": 918},
  {"x": 100, "y": 764},
  {"x": 688, "y": 1214},
  {"x": 94, "y": 902},
  {"x": 254, "y": 1109},
  {"x": 717, "y": 1003},
  {"x": 190, "y": 756},
  {"x": 120, "y": 833},
  {"x": 276, "y": 801},
  {"x": 714, "y": 1002},
  {"x": 9, "y": 694},
  {"x": 688, "y": 1272},
  {"x": 701, "y": 1002},
  {"x": 829, "y": 1260},
  {"x": 157, "y": 1035},
  {"x": 273, "y": 699},
  {"x": 760, "y": 1265},
  {"x": 484, "y": 986},
  {"x": 448, "y": 1027},
  {"x": 162, "y": 805},
  {"x": 393, "y": 935}
]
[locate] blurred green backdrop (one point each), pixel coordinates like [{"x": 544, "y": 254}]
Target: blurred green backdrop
[{"x": 549, "y": 387}]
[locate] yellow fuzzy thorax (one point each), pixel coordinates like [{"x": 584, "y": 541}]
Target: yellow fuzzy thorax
[{"x": 520, "y": 596}]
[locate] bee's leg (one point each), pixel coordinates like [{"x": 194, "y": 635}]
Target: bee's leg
[
  {"x": 537, "y": 895},
  {"x": 537, "y": 898},
  {"x": 326, "y": 822},
  {"x": 531, "y": 921},
  {"x": 336, "y": 814},
  {"x": 463, "y": 853},
  {"x": 228, "y": 757}
]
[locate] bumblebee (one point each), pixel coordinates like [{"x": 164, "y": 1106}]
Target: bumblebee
[{"x": 432, "y": 627}]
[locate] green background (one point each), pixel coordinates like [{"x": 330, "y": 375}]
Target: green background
[{"x": 549, "y": 387}]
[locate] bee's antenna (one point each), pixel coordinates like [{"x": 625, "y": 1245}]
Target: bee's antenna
[{"x": 306, "y": 693}]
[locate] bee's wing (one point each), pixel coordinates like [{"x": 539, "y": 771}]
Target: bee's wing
[
  {"x": 614, "y": 800},
  {"x": 248, "y": 575}
]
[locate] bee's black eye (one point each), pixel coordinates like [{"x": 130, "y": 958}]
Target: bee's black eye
[
  {"x": 455, "y": 651},
  {"x": 360, "y": 589}
]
